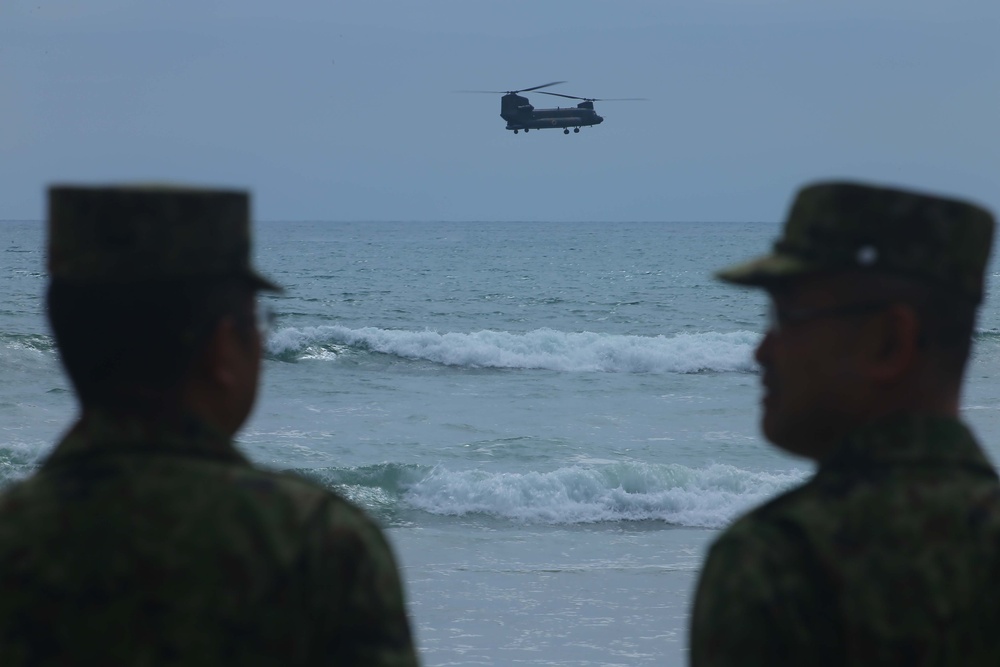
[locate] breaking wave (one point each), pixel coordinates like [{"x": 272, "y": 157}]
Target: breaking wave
[
  {"x": 708, "y": 497},
  {"x": 539, "y": 349}
]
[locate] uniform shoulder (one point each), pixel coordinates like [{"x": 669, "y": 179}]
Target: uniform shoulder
[
  {"x": 302, "y": 496},
  {"x": 12, "y": 494},
  {"x": 338, "y": 535},
  {"x": 289, "y": 483},
  {"x": 769, "y": 525}
]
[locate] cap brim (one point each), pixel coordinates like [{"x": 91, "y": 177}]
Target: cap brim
[
  {"x": 262, "y": 283},
  {"x": 768, "y": 270}
]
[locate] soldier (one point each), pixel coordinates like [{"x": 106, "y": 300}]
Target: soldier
[
  {"x": 888, "y": 555},
  {"x": 146, "y": 537}
]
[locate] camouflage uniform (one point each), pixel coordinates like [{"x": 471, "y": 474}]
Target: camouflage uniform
[
  {"x": 155, "y": 543},
  {"x": 890, "y": 554},
  {"x": 133, "y": 546},
  {"x": 886, "y": 557}
]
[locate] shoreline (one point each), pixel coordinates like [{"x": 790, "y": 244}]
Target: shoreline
[{"x": 550, "y": 595}]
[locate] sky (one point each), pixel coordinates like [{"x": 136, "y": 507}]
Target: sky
[{"x": 347, "y": 110}]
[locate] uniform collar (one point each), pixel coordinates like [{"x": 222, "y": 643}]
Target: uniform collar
[
  {"x": 910, "y": 438},
  {"x": 100, "y": 433}
]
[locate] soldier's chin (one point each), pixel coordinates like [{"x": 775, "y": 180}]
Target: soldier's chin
[
  {"x": 777, "y": 432},
  {"x": 786, "y": 438},
  {"x": 769, "y": 428}
]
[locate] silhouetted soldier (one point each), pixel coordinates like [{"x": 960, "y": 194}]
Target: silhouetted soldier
[
  {"x": 889, "y": 554},
  {"x": 146, "y": 538}
]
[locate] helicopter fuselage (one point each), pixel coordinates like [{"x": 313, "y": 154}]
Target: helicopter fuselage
[{"x": 521, "y": 115}]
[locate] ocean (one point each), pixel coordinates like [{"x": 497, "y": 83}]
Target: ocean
[{"x": 551, "y": 420}]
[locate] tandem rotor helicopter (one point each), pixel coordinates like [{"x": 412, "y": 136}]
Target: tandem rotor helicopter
[{"x": 521, "y": 115}]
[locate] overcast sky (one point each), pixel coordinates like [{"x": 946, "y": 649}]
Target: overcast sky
[{"x": 345, "y": 110}]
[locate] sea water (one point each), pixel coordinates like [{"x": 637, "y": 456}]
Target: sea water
[{"x": 552, "y": 420}]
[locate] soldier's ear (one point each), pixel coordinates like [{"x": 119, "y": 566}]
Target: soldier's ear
[
  {"x": 216, "y": 363},
  {"x": 894, "y": 343}
]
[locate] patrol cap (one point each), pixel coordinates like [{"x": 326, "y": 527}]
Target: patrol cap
[
  {"x": 128, "y": 233},
  {"x": 841, "y": 225}
]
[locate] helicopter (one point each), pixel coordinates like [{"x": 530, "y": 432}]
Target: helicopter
[{"x": 521, "y": 115}]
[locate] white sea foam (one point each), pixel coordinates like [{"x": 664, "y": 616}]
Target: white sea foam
[
  {"x": 25, "y": 353},
  {"x": 709, "y": 497},
  {"x": 538, "y": 349}
]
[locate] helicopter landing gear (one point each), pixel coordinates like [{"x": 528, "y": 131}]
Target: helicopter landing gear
[
  {"x": 525, "y": 130},
  {"x": 515, "y": 131},
  {"x": 576, "y": 130},
  {"x": 566, "y": 131}
]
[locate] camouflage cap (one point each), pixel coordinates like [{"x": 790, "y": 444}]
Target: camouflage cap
[
  {"x": 834, "y": 226},
  {"x": 129, "y": 233}
]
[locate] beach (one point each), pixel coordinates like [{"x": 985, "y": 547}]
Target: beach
[{"x": 551, "y": 420}]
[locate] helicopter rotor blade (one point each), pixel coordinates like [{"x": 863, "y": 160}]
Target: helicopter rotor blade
[
  {"x": 572, "y": 97},
  {"x": 597, "y": 99},
  {"x": 512, "y": 92},
  {"x": 544, "y": 85}
]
